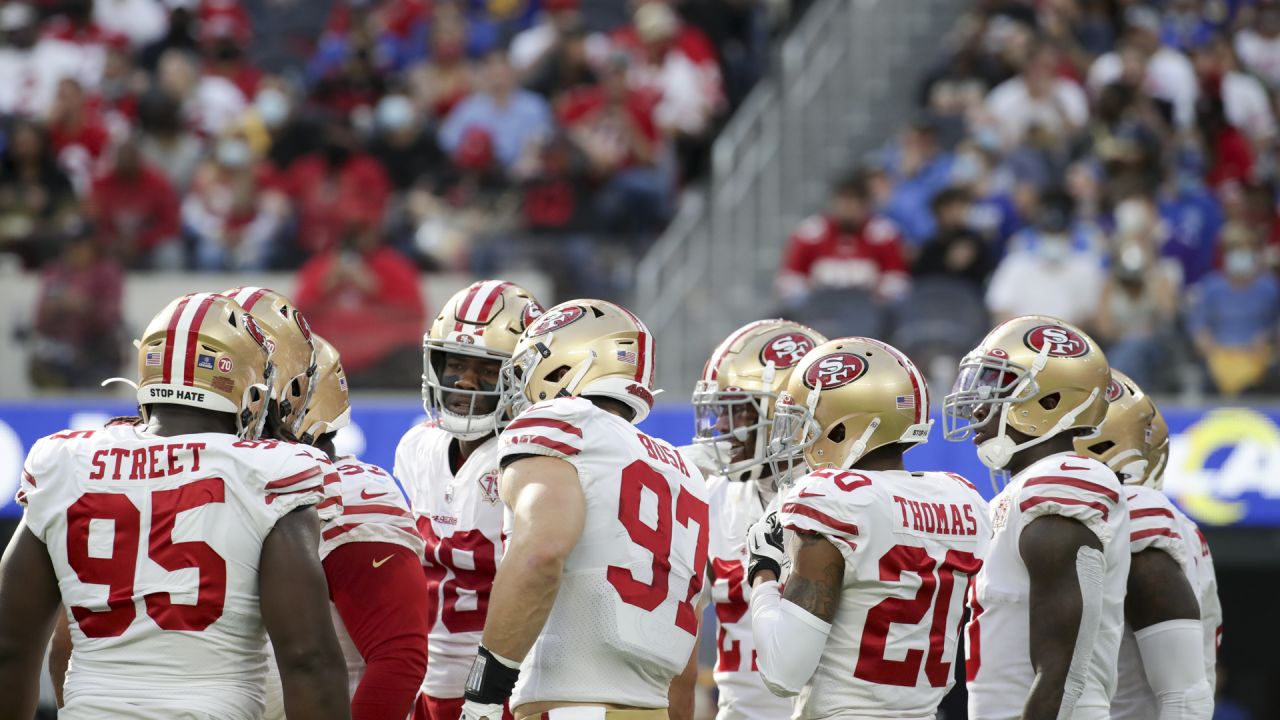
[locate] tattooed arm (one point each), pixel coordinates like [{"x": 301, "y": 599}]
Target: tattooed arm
[{"x": 791, "y": 632}]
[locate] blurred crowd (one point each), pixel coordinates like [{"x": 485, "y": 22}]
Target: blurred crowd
[
  {"x": 1109, "y": 162},
  {"x": 358, "y": 142}
]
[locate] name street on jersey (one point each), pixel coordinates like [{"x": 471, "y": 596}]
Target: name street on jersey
[{"x": 146, "y": 463}]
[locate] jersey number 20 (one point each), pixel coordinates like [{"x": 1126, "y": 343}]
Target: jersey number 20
[{"x": 118, "y": 571}]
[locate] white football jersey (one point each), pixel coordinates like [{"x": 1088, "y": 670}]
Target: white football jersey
[
  {"x": 735, "y": 507},
  {"x": 1153, "y": 525},
  {"x": 372, "y": 511},
  {"x": 461, "y": 519},
  {"x": 1210, "y": 605},
  {"x": 156, "y": 543},
  {"x": 624, "y": 621},
  {"x": 998, "y": 637},
  {"x": 911, "y": 543}
]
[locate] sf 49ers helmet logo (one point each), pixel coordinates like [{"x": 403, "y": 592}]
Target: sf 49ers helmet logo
[
  {"x": 255, "y": 332},
  {"x": 787, "y": 350},
  {"x": 1062, "y": 342},
  {"x": 555, "y": 319},
  {"x": 1114, "y": 391},
  {"x": 835, "y": 370},
  {"x": 532, "y": 311},
  {"x": 303, "y": 325}
]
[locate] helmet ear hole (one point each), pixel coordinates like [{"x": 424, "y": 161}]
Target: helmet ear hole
[
  {"x": 1101, "y": 447},
  {"x": 1050, "y": 401},
  {"x": 557, "y": 374},
  {"x": 836, "y": 434}
]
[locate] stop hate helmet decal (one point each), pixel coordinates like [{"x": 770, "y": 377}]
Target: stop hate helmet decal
[
  {"x": 1062, "y": 342},
  {"x": 835, "y": 370}
]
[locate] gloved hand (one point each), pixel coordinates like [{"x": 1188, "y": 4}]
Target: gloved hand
[
  {"x": 764, "y": 543},
  {"x": 472, "y": 710}
]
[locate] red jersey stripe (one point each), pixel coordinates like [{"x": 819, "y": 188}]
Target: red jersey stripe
[
  {"x": 825, "y": 519},
  {"x": 167, "y": 374},
  {"x": 1034, "y": 501},
  {"x": 293, "y": 479},
  {"x": 334, "y": 532},
  {"x": 1151, "y": 512},
  {"x": 375, "y": 509},
  {"x": 28, "y": 478},
  {"x": 1153, "y": 532},
  {"x": 193, "y": 341},
  {"x": 546, "y": 443},
  {"x": 561, "y": 425},
  {"x": 1075, "y": 483}
]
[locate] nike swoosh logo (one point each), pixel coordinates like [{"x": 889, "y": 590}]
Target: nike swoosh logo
[
  {"x": 1072, "y": 467},
  {"x": 380, "y": 563},
  {"x": 806, "y": 493},
  {"x": 364, "y": 494}
]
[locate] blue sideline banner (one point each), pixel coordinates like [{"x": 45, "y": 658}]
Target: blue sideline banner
[{"x": 1224, "y": 466}]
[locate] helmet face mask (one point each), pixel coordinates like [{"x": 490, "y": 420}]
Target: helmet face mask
[
  {"x": 984, "y": 383},
  {"x": 466, "y": 413},
  {"x": 329, "y": 409},
  {"x": 734, "y": 423}
]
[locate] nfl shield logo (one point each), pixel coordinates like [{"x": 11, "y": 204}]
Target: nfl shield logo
[{"x": 448, "y": 493}]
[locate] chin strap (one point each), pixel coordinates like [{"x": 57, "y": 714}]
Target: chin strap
[
  {"x": 859, "y": 448},
  {"x": 999, "y": 450}
]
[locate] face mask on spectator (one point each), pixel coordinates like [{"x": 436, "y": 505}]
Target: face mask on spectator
[
  {"x": 967, "y": 168},
  {"x": 234, "y": 153},
  {"x": 272, "y": 107},
  {"x": 1055, "y": 248},
  {"x": 394, "y": 113},
  {"x": 1240, "y": 263}
]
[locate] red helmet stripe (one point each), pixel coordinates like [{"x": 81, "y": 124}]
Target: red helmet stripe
[
  {"x": 193, "y": 340},
  {"x": 717, "y": 356},
  {"x": 494, "y": 294},
  {"x": 169, "y": 337},
  {"x": 248, "y": 296},
  {"x": 644, "y": 349},
  {"x": 461, "y": 314}
]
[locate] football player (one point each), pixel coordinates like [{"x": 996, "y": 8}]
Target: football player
[
  {"x": 371, "y": 554},
  {"x": 293, "y": 353},
  {"x": 870, "y": 619},
  {"x": 1161, "y": 665},
  {"x": 1048, "y": 605},
  {"x": 593, "y": 608},
  {"x": 174, "y": 542},
  {"x": 734, "y": 405},
  {"x": 449, "y": 467},
  {"x": 1157, "y": 456}
]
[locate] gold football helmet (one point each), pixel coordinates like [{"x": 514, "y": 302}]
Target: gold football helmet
[
  {"x": 1157, "y": 452},
  {"x": 734, "y": 401},
  {"x": 1121, "y": 440},
  {"x": 330, "y": 407},
  {"x": 203, "y": 350},
  {"x": 1037, "y": 375},
  {"x": 293, "y": 353},
  {"x": 483, "y": 320},
  {"x": 590, "y": 348},
  {"x": 846, "y": 398}
]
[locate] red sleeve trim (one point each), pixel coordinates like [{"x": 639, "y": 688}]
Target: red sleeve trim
[
  {"x": 544, "y": 442},
  {"x": 1151, "y": 512},
  {"x": 272, "y": 497},
  {"x": 28, "y": 478},
  {"x": 294, "y": 479},
  {"x": 825, "y": 519},
  {"x": 1034, "y": 501},
  {"x": 561, "y": 425},
  {"x": 329, "y": 502},
  {"x": 1075, "y": 483},
  {"x": 1152, "y": 532}
]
